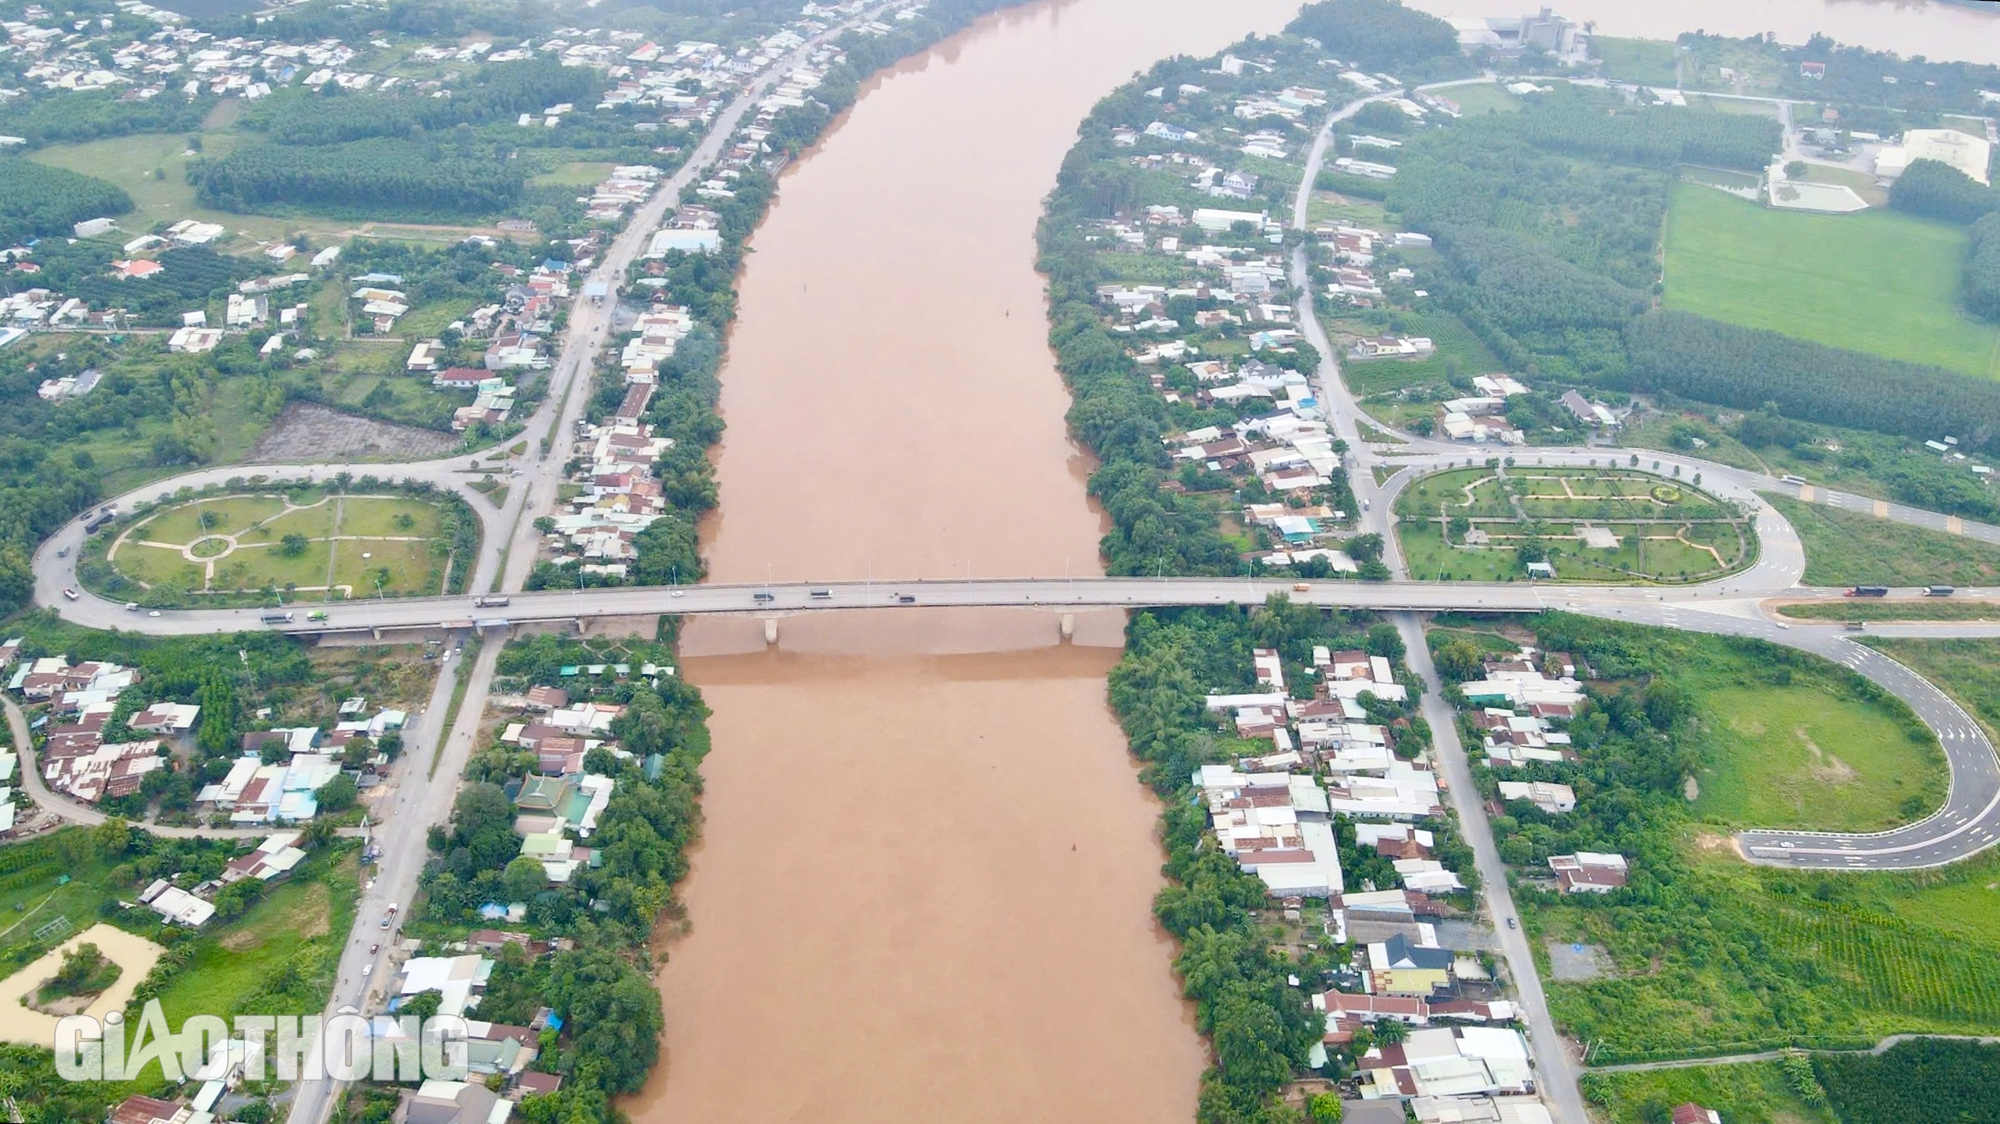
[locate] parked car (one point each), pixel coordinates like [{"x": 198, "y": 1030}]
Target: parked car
[{"x": 72, "y": 594}]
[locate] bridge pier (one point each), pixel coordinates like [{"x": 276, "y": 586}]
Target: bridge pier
[
  {"x": 770, "y": 630},
  {"x": 582, "y": 626},
  {"x": 377, "y": 632},
  {"x": 1066, "y": 625}
]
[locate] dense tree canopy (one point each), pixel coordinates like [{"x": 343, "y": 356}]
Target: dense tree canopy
[
  {"x": 1377, "y": 34},
  {"x": 1982, "y": 268},
  {"x": 1940, "y": 191},
  {"x": 37, "y": 200},
  {"x": 1746, "y": 368}
]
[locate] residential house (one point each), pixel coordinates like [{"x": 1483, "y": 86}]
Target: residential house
[{"x": 1589, "y": 872}]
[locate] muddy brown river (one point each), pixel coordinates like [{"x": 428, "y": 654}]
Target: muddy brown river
[{"x": 923, "y": 889}]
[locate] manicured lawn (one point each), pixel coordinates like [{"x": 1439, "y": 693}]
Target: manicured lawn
[
  {"x": 365, "y": 515},
  {"x": 411, "y": 568},
  {"x": 1849, "y": 548},
  {"x": 1793, "y": 757},
  {"x": 1877, "y": 281},
  {"x": 1756, "y": 1093},
  {"x": 227, "y": 515},
  {"x": 259, "y": 524}
]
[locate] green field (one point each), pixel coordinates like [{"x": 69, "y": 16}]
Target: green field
[
  {"x": 241, "y": 544},
  {"x": 1877, "y": 281},
  {"x": 1486, "y": 97},
  {"x": 1754, "y": 1093},
  {"x": 1791, "y": 757},
  {"x": 577, "y": 173},
  {"x": 1688, "y": 536},
  {"x": 1650, "y": 61},
  {"x": 132, "y": 161},
  {"x": 285, "y": 947},
  {"x": 1457, "y": 349},
  {"x": 1849, "y": 548}
]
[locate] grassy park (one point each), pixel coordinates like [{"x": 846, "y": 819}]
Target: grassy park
[
  {"x": 309, "y": 544},
  {"x": 1851, "y": 548},
  {"x": 1878, "y": 281},
  {"x": 1594, "y": 525}
]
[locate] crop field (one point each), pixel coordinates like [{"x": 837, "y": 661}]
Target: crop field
[
  {"x": 1792, "y": 757},
  {"x": 1604, "y": 525},
  {"x": 1878, "y": 281},
  {"x": 320, "y": 547}
]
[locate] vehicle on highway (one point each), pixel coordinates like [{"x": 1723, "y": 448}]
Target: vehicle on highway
[
  {"x": 1512, "y": 924},
  {"x": 367, "y": 970},
  {"x": 762, "y": 596},
  {"x": 276, "y": 618},
  {"x": 131, "y": 606},
  {"x": 71, "y": 593},
  {"x": 1856, "y": 626},
  {"x": 491, "y": 601},
  {"x": 1939, "y": 591},
  {"x": 680, "y": 593},
  {"x": 1301, "y": 587},
  {"x": 907, "y": 598},
  {"x": 822, "y": 594},
  {"x": 1789, "y": 479},
  {"x": 385, "y": 921},
  {"x": 1868, "y": 591},
  {"x": 63, "y": 553},
  {"x": 316, "y": 615},
  {"x": 96, "y": 522},
  {"x": 154, "y": 613},
  {"x": 373, "y": 949}
]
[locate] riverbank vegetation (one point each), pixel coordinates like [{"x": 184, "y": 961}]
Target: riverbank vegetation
[
  {"x": 1855, "y": 548},
  {"x": 1708, "y": 954}
]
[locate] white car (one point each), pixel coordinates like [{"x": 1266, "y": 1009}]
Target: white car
[{"x": 71, "y": 593}]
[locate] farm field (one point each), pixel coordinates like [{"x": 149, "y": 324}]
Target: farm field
[
  {"x": 1877, "y": 281},
  {"x": 1850, "y": 548},
  {"x": 1472, "y": 525},
  {"x": 340, "y": 546}
]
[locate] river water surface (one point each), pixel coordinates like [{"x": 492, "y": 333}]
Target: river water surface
[{"x": 923, "y": 888}]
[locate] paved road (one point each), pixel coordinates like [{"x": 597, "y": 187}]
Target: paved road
[{"x": 1555, "y": 1069}]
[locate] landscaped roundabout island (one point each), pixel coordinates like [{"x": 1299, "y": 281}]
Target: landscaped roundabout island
[
  {"x": 1613, "y": 524},
  {"x": 266, "y": 545}
]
